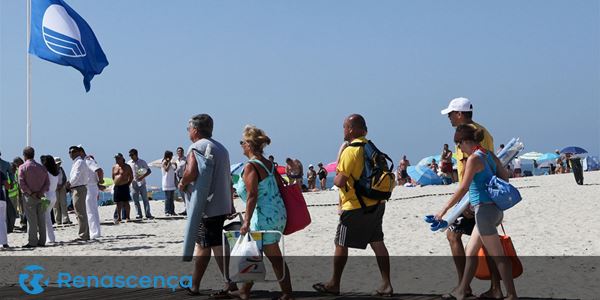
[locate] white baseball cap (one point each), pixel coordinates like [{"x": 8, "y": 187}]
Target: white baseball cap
[{"x": 458, "y": 104}]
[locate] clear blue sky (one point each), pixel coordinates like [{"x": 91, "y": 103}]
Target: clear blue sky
[{"x": 296, "y": 69}]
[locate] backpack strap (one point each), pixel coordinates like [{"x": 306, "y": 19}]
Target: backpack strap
[{"x": 357, "y": 144}]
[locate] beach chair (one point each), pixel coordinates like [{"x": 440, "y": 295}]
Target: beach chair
[{"x": 231, "y": 233}]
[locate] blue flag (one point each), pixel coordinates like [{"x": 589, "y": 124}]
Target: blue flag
[{"x": 60, "y": 35}]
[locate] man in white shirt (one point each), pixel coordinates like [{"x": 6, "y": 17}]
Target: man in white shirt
[
  {"x": 181, "y": 161},
  {"x": 78, "y": 181},
  {"x": 138, "y": 185},
  {"x": 96, "y": 175}
]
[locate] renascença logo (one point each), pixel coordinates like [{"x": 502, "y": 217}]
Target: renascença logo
[{"x": 31, "y": 281}]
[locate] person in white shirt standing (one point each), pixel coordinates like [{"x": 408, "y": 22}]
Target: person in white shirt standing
[
  {"x": 138, "y": 185},
  {"x": 78, "y": 186},
  {"x": 96, "y": 177},
  {"x": 181, "y": 160},
  {"x": 168, "y": 183}
]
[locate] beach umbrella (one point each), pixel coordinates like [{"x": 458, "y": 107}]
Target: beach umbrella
[
  {"x": 573, "y": 150},
  {"x": 548, "y": 157},
  {"x": 423, "y": 175},
  {"x": 331, "y": 167},
  {"x": 236, "y": 171},
  {"x": 156, "y": 163},
  {"x": 531, "y": 155},
  {"x": 281, "y": 170},
  {"x": 236, "y": 168},
  {"x": 427, "y": 160},
  {"x": 107, "y": 182}
]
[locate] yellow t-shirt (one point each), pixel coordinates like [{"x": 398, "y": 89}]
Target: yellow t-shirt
[
  {"x": 487, "y": 143},
  {"x": 351, "y": 164}
]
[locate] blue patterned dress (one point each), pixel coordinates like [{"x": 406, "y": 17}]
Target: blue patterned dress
[{"x": 269, "y": 213}]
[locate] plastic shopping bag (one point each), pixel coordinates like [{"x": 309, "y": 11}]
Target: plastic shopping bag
[{"x": 246, "y": 261}]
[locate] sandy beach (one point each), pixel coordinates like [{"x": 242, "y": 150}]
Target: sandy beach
[
  {"x": 552, "y": 206},
  {"x": 548, "y": 222}
]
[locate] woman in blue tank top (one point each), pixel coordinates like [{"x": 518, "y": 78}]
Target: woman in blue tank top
[
  {"x": 265, "y": 209},
  {"x": 480, "y": 167}
]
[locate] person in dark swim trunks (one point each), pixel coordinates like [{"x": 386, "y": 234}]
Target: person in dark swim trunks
[
  {"x": 122, "y": 176},
  {"x": 322, "y": 176}
]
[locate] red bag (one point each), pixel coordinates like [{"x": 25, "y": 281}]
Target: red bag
[
  {"x": 298, "y": 216},
  {"x": 483, "y": 271}
]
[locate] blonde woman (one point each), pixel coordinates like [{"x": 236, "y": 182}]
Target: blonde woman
[{"x": 265, "y": 209}]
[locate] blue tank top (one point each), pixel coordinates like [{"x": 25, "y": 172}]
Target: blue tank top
[{"x": 478, "y": 189}]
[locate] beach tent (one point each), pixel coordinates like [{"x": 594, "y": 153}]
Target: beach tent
[
  {"x": 424, "y": 175},
  {"x": 590, "y": 163}
]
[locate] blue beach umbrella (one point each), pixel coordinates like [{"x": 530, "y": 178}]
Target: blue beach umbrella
[
  {"x": 236, "y": 171},
  {"x": 427, "y": 160},
  {"x": 423, "y": 175},
  {"x": 548, "y": 157},
  {"x": 573, "y": 150}
]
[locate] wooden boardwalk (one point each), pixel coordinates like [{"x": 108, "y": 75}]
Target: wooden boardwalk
[{"x": 15, "y": 292}]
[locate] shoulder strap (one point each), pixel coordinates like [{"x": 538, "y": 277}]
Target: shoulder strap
[
  {"x": 255, "y": 170},
  {"x": 263, "y": 165},
  {"x": 357, "y": 144},
  {"x": 485, "y": 157}
]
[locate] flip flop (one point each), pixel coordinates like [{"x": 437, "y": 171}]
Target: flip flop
[
  {"x": 320, "y": 287},
  {"x": 192, "y": 293},
  {"x": 222, "y": 294},
  {"x": 382, "y": 294},
  {"x": 439, "y": 225},
  {"x": 429, "y": 218},
  {"x": 450, "y": 297},
  {"x": 482, "y": 296}
]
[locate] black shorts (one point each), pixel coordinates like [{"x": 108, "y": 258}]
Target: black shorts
[
  {"x": 463, "y": 225},
  {"x": 357, "y": 228},
  {"x": 210, "y": 232},
  {"x": 121, "y": 193},
  {"x": 403, "y": 174}
]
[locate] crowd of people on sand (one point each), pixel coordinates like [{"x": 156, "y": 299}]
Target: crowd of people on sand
[
  {"x": 564, "y": 163},
  {"x": 31, "y": 190}
]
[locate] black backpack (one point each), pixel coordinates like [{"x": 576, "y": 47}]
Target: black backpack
[{"x": 377, "y": 180}]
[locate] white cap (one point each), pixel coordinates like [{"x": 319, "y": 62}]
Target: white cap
[
  {"x": 458, "y": 104},
  {"x": 310, "y": 166}
]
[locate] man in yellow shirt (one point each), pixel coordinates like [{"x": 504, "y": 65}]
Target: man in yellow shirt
[
  {"x": 460, "y": 111},
  {"x": 358, "y": 227}
]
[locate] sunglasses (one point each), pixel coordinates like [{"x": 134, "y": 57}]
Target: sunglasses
[{"x": 242, "y": 142}]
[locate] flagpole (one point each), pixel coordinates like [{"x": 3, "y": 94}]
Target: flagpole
[{"x": 28, "y": 74}]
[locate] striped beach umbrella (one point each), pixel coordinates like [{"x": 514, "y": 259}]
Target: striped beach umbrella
[{"x": 531, "y": 156}]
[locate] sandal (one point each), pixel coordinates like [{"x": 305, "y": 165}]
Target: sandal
[
  {"x": 192, "y": 293},
  {"x": 382, "y": 294},
  {"x": 321, "y": 288},
  {"x": 222, "y": 294}
]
